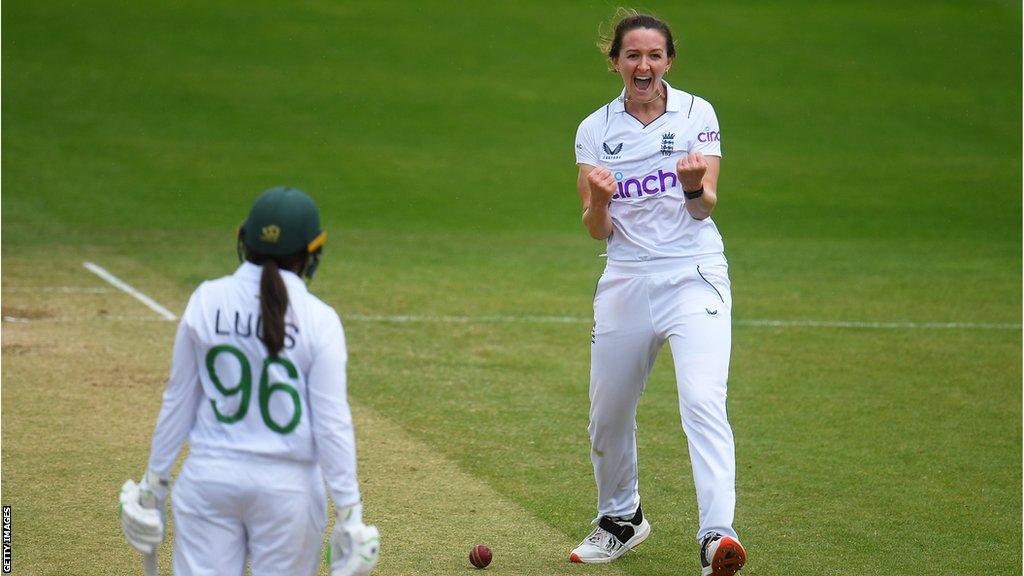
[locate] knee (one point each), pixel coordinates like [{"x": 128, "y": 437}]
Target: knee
[
  {"x": 615, "y": 423},
  {"x": 703, "y": 404}
]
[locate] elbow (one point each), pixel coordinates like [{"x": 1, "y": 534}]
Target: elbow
[{"x": 597, "y": 231}]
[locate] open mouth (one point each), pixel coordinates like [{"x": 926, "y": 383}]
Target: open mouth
[{"x": 642, "y": 83}]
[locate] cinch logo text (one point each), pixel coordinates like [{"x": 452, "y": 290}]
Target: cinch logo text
[
  {"x": 709, "y": 136},
  {"x": 650, "y": 185}
]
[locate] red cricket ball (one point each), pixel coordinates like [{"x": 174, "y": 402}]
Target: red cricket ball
[{"x": 480, "y": 556}]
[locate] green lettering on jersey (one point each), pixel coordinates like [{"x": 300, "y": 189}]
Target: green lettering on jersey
[
  {"x": 244, "y": 383},
  {"x": 267, "y": 389},
  {"x": 244, "y": 387}
]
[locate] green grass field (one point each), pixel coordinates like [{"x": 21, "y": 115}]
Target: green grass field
[{"x": 872, "y": 174}]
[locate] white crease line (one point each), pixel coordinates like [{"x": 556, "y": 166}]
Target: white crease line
[
  {"x": 118, "y": 283},
  {"x": 63, "y": 319},
  {"x": 883, "y": 325},
  {"x": 468, "y": 319},
  {"x": 60, "y": 289},
  {"x": 405, "y": 319},
  {"x": 751, "y": 323}
]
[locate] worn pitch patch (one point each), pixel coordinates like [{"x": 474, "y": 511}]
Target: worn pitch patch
[{"x": 431, "y": 513}]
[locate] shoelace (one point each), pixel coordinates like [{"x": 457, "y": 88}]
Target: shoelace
[
  {"x": 705, "y": 546},
  {"x": 604, "y": 539}
]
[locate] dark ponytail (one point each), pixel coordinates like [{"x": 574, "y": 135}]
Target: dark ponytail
[{"x": 273, "y": 305}]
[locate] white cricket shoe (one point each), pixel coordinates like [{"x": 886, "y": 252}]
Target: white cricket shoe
[
  {"x": 721, "y": 555},
  {"x": 612, "y": 538}
]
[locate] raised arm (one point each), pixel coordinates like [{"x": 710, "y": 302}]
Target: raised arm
[
  {"x": 699, "y": 176},
  {"x": 596, "y": 185}
]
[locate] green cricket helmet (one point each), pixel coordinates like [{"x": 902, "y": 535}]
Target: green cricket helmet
[{"x": 284, "y": 222}]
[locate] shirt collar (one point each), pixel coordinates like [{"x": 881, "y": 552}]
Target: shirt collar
[
  {"x": 249, "y": 272},
  {"x": 672, "y": 104}
]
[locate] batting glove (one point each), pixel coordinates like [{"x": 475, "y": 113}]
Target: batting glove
[
  {"x": 355, "y": 547},
  {"x": 141, "y": 510}
]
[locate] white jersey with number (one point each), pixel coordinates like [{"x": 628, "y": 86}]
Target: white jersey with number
[
  {"x": 230, "y": 399},
  {"x": 648, "y": 212}
]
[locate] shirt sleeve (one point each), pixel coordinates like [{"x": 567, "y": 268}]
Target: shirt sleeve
[
  {"x": 333, "y": 431},
  {"x": 708, "y": 140},
  {"x": 587, "y": 151},
  {"x": 181, "y": 401}
]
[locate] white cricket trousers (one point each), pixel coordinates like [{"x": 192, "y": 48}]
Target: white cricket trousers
[
  {"x": 226, "y": 510},
  {"x": 637, "y": 307}
]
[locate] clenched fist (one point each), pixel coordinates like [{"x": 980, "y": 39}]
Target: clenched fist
[
  {"x": 691, "y": 169},
  {"x": 602, "y": 186}
]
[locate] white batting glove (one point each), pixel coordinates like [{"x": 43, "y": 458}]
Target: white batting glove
[
  {"x": 355, "y": 547},
  {"x": 141, "y": 510}
]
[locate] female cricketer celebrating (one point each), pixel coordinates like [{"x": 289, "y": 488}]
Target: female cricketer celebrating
[
  {"x": 648, "y": 174},
  {"x": 258, "y": 387}
]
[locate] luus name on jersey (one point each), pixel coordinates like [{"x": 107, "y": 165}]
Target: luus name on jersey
[{"x": 244, "y": 325}]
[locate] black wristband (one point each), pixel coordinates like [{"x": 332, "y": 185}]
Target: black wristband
[{"x": 695, "y": 194}]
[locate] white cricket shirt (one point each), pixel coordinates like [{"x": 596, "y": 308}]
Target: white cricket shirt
[
  {"x": 230, "y": 400},
  {"x": 648, "y": 212}
]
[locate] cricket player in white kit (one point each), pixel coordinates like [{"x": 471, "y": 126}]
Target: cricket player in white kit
[
  {"x": 648, "y": 173},
  {"x": 258, "y": 387}
]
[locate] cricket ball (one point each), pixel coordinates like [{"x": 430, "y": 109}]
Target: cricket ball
[{"x": 480, "y": 556}]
